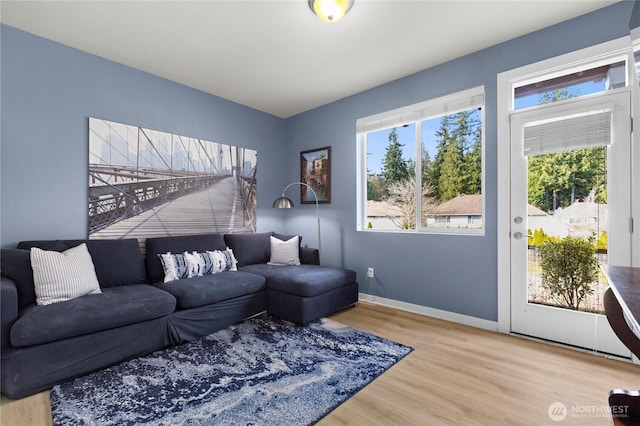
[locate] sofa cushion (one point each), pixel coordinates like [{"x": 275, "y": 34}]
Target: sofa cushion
[
  {"x": 15, "y": 264},
  {"x": 250, "y": 248},
  {"x": 178, "y": 244},
  {"x": 57, "y": 245},
  {"x": 303, "y": 280},
  {"x": 114, "y": 307},
  {"x": 209, "y": 289},
  {"x": 62, "y": 276},
  {"x": 117, "y": 261}
]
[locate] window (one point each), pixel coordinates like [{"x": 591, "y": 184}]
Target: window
[
  {"x": 421, "y": 167},
  {"x": 570, "y": 84}
]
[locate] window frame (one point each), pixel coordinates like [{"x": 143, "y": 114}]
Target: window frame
[
  {"x": 567, "y": 69},
  {"x": 417, "y": 114}
]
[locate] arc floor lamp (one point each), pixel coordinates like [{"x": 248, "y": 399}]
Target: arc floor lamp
[{"x": 284, "y": 202}]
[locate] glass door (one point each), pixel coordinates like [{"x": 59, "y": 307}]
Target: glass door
[{"x": 570, "y": 212}]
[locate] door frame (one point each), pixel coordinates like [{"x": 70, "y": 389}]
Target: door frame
[
  {"x": 505, "y": 81},
  {"x": 581, "y": 329}
]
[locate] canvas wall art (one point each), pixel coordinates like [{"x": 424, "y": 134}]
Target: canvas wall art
[{"x": 146, "y": 183}]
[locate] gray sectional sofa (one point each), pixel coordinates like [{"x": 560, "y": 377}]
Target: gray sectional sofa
[{"x": 137, "y": 312}]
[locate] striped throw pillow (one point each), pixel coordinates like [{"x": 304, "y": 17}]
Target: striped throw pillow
[
  {"x": 179, "y": 266},
  {"x": 61, "y": 276},
  {"x": 174, "y": 266},
  {"x": 198, "y": 264},
  {"x": 223, "y": 260}
]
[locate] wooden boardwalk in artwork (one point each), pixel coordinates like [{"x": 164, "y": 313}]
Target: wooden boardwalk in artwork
[{"x": 217, "y": 209}]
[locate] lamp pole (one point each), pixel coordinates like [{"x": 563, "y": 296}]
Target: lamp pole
[{"x": 286, "y": 203}]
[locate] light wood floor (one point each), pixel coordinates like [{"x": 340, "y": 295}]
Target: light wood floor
[{"x": 456, "y": 375}]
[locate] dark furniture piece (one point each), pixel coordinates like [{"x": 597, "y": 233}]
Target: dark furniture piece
[
  {"x": 622, "y": 306},
  {"x": 137, "y": 313},
  {"x": 306, "y": 292},
  {"x": 300, "y": 293}
]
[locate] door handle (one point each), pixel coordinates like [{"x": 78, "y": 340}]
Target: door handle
[{"x": 517, "y": 235}]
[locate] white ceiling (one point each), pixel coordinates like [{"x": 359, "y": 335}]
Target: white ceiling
[{"x": 276, "y": 56}]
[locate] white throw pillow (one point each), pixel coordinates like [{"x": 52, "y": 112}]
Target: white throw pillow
[
  {"x": 285, "y": 252},
  {"x": 63, "y": 276}
]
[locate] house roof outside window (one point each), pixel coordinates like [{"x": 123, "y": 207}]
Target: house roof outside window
[{"x": 462, "y": 205}]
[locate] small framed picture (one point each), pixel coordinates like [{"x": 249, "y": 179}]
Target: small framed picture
[{"x": 315, "y": 171}]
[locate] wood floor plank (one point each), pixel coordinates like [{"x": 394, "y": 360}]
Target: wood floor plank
[
  {"x": 468, "y": 376},
  {"x": 457, "y": 375}
]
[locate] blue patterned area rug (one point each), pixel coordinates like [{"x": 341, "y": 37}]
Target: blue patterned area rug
[{"x": 263, "y": 371}]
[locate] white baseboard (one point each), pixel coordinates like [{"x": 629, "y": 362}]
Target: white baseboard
[{"x": 431, "y": 312}]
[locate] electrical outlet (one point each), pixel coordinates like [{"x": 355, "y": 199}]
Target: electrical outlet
[{"x": 370, "y": 273}]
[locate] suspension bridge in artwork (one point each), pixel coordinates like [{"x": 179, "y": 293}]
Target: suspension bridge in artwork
[{"x": 144, "y": 183}]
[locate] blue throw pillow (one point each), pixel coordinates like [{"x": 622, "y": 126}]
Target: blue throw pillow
[
  {"x": 175, "y": 266},
  {"x": 223, "y": 260},
  {"x": 177, "y": 244},
  {"x": 179, "y": 266}
]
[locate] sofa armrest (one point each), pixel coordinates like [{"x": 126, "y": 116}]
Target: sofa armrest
[
  {"x": 309, "y": 256},
  {"x": 8, "y": 309}
]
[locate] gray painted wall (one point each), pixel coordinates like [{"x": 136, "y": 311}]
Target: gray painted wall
[
  {"x": 49, "y": 91},
  {"x": 447, "y": 272}
]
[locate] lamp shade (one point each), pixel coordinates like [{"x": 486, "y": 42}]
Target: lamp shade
[
  {"x": 283, "y": 203},
  {"x": 330, "y": 10}
]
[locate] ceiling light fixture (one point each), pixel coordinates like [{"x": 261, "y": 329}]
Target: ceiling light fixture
[{"x": 330, "y": 10}]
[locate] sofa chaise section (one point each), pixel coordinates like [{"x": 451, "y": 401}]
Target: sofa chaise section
[
  {"x": 304, "y": 293},
  {"x": 299, "y": 293}
]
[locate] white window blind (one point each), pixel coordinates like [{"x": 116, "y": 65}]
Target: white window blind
[
  {"x": 579, "y": 131},
  {"x": 445, "y": 105}
]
